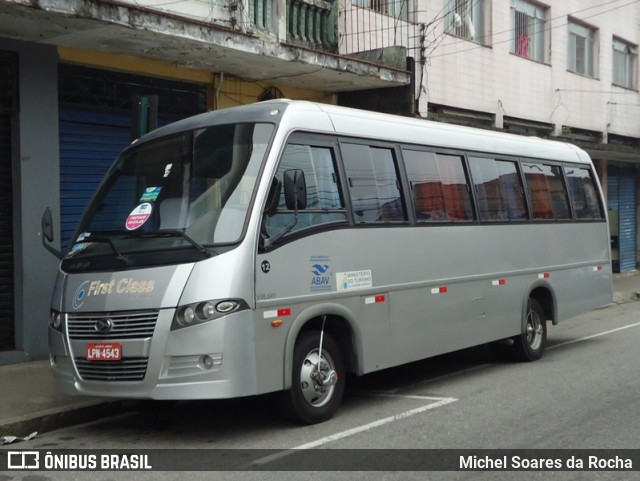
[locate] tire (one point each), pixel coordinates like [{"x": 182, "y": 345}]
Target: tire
[
  {"x": 529, "y": 346},
  {"x": 309, "y": 401}
]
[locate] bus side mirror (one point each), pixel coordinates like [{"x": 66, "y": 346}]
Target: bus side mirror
[
  {"x": 46, "y": 226},
  {"x": 295, "y": 189},
  {"x": 274, "y": 196}
]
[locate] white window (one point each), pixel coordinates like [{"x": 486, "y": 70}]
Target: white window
[
  {"x": 466, "y": 19},
  {"x": 580, "y": 57},
  {"x": 394, "y": 8},
  {"x": 625, "y": 59},
  {"x": 528, "y": 27}
]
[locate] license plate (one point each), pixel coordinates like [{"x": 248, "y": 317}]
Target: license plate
[{"x": 104, "y": 351}]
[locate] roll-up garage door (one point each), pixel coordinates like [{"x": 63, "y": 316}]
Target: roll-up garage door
[
  {"x": 627, "y": 220},
  {"x": 621, "y": 184},
  {"x": 95, "y": 125},
  {"x": 89, "y": 143},
  {"x": 7, "y": 324}
]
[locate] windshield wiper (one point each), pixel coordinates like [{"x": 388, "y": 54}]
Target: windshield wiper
[
  {"x": 175, "y": 233},
  {"x": 109, "y": 242}
]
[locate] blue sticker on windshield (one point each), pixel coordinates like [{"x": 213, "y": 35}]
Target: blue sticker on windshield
[{"x": 150, "y": 194}]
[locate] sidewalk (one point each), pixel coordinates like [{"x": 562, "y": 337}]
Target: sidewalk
[{"x": 30, "y": 403}]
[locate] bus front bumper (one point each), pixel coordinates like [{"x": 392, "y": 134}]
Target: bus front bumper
[{"x": 212, "y": 360}]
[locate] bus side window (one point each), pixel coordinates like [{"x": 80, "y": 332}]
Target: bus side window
[
  {"x": 373, "y": 183},
  {"x": 582, "y": 191},
  {"x": 438, "y": 186},
  {"x": 324, "y": 202},
  {"x": 547, "y": 192},
  {"x": 498, "y": 189}
]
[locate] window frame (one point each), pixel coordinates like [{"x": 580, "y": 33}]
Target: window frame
[
  {"x": 588, "y": 34},
  {"x": 630, "y": 67},
  {"x": 465, "y": 167},
  {"x": 522, "y": 185},
  {"x": 400, "y": 179},
  {"x": 549, "y": 163},
  {"x": 592, "y": 176},
  {"x": 471, "y": 9},
  {"x": 521, "y": 46},
  {"x": 388, "y": 8},
  {"x": 319, "y": 141}
]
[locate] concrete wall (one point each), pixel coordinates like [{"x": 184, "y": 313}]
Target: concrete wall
[{"x": 36, "y": 186}]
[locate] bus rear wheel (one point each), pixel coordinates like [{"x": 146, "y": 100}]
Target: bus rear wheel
[
  {"x": 317, "y": 380},
  {"x": 529, "y": 346}
]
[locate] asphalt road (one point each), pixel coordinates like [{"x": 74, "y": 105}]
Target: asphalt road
[{"x": 583, "y": 394}]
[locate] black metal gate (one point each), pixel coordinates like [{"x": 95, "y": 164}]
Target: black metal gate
[{"x": 8, "y": 105}]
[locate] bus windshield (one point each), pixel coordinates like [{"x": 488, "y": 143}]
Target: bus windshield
[{"x": 183, "y": 193}]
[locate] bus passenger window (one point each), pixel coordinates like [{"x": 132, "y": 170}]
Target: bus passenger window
[
  {"x": 584, "y": 197},
  {"x": 498, "y": 189},
  {"x": 373, "y": 183},
  {"x": 546, "y": 191},
  {"x": 438, "y": 186},
  {"x": 324, "y": 202}
]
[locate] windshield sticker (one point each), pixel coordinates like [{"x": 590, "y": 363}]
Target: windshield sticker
[
  {"x": 167, "y": 170},
  {"x": 139, "y": 216},
  {"x": 80, "y": 243},
  {"x": 79, "y": 246},
  {"x": 354, "y": 280},
  {"x": 150, "y": 194}
]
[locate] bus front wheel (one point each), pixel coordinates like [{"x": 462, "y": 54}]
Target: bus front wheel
[
  {"x": 317, "y": 380},
  {"x": 530, "y": 345}
]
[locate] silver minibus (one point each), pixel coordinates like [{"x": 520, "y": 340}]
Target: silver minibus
[{"x": 281, "y": 245}]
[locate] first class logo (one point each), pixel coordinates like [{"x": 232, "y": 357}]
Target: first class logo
[
  {"x": 78, "y": 297},
  {"x": 126, "y": 285}
]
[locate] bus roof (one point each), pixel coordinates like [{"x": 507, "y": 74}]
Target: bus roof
[{"x": 324, "y": 118}]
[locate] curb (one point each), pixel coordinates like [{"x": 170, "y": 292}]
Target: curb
[{"x": 44, "y": 422}]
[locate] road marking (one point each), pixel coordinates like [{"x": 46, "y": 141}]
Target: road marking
[
  {"x": 586, "y": 338},
  {"x": 436, "y": 403}
]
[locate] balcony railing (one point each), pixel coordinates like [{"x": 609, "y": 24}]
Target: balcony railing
[{"x": 308, "y": 23}]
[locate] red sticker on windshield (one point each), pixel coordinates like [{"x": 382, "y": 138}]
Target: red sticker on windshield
[{"x": 139, "y": 216}]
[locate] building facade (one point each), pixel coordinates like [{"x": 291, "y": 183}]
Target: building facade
[{"x": 78, "y": 75}]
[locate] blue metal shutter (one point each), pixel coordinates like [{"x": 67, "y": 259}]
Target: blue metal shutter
[
  {"x": 6, "y": 237},
  {"x": 89, "y": 143},
  {"x": 627, "y": 219}
]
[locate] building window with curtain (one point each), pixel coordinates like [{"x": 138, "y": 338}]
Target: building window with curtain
[
  {"x": 466, "y": 19},
  {"x": 394, "y": 8},
  {"x": 529, "y": 30},
  {"x": 625, "y": 61},
  {"x": 580, "y": 56}
]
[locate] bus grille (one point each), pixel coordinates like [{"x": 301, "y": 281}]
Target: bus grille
[
  {"x": 124, "y": 325},
  {"x": 130, "y": 369}
]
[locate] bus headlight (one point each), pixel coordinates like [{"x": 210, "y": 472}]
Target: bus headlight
[
  {"x": 187, "y": 316},
  {"x": 226, "y": 307},
  {"x": 205, "y": 311}
]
